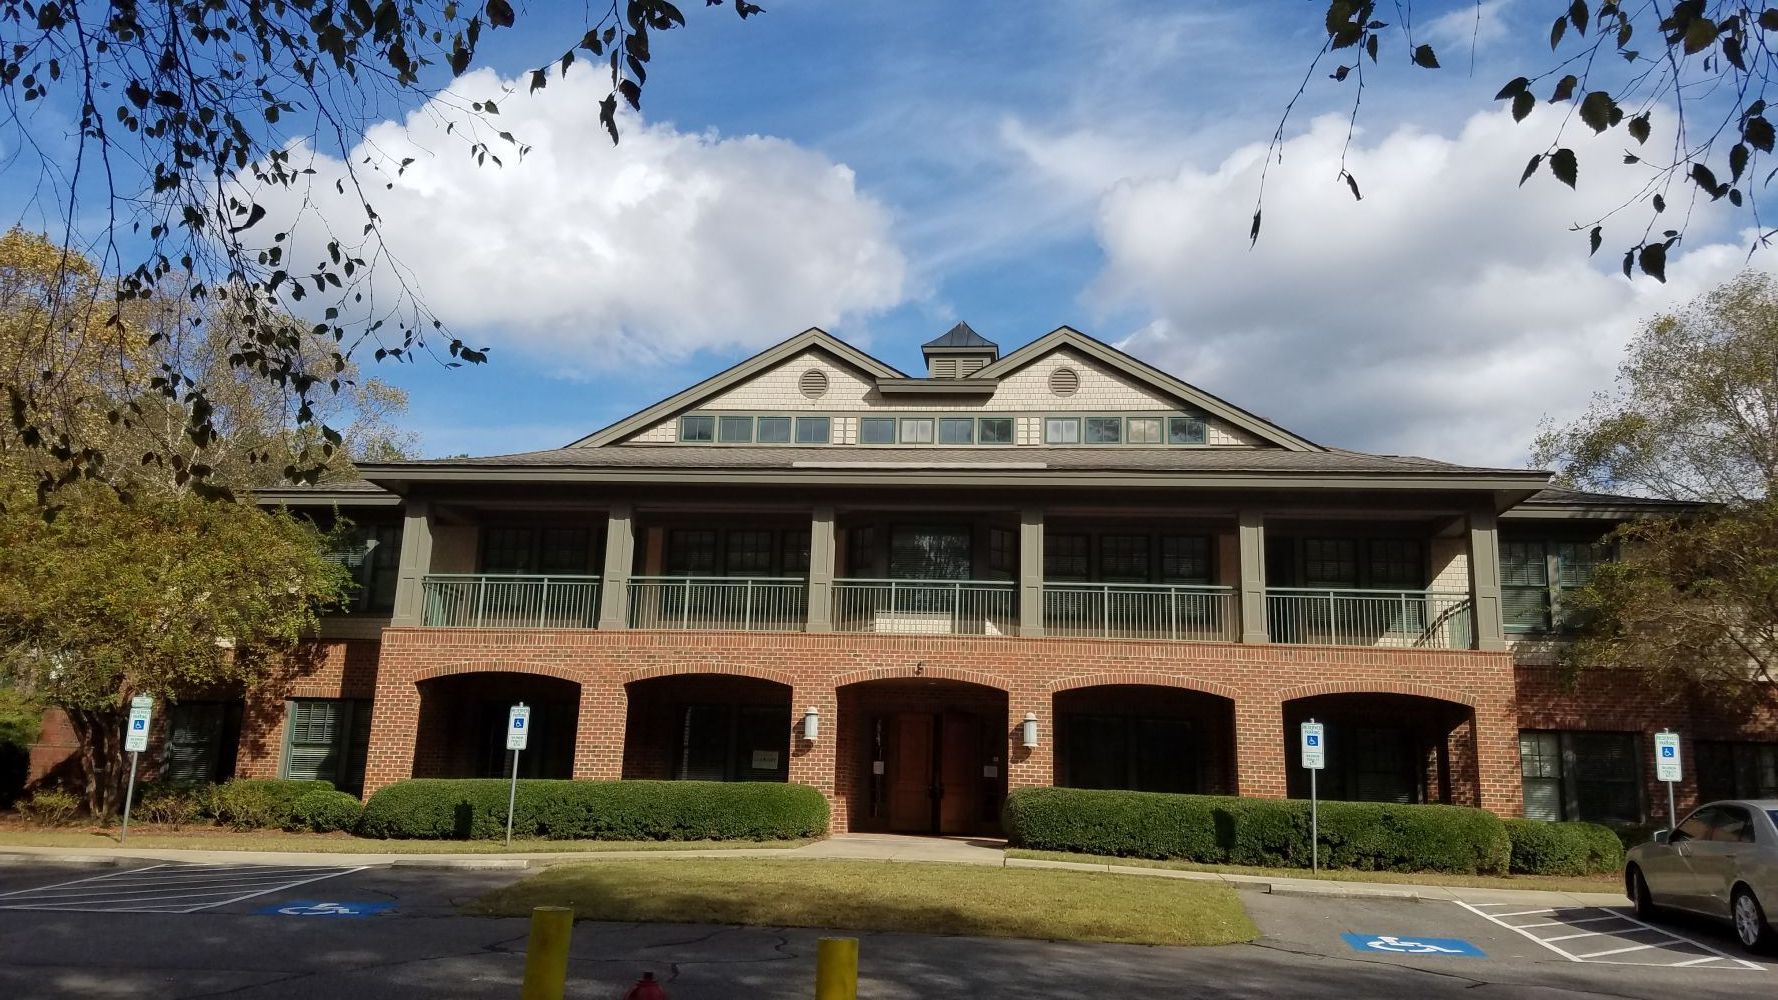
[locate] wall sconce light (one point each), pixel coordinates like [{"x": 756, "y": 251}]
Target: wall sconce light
[
  {"x": 1030, "y": 730},
  {"x": 812, "y": 724}
]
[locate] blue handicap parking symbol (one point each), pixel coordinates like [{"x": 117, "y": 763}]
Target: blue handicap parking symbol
[
  {"x": 1666, "y": 751},
  {"x": 518, "y": 723},
  {"x": 313, "y": 908},
  {"x": 1314, "y": 741},
  {"x": 139, "y": 723},
  {"x": 1389, "y": 944}
]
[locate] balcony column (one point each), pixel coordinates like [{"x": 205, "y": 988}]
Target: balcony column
[
  {"x": 416, "y": 562},
  {"x": 1253, "y": 576},
  {"x": 1031, "y": 572},
  {"x": 1484, "y": 578},
  {"x": 620, "y": 556},
  {"x": 821, "y": 562}
]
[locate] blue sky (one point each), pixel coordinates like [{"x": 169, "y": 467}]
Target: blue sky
[{"x": 883, "y": 168}]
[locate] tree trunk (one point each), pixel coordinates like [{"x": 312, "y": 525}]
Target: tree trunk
[{"x": 104, "y": 767}]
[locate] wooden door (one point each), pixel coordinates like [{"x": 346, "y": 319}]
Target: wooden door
[
  {"x": 960, "y": 773},
  {"x": 910, "y": 773}
]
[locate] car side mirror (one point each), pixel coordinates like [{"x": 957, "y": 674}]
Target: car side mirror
[{"x": 1663, "y": 836}]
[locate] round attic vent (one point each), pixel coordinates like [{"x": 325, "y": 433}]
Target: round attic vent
[
  {"x": 813, "y": 383},
  {"x": 1064, "y": 381}
]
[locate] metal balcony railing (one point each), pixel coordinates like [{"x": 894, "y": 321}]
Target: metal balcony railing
[
  {"x": 1416, "y": 619},
  {"x": 726, "y": 603},
  {"x": 1141, "y": 611},
  {"x": 493, "y": 600},
  {"x": 926, "y": 607}
]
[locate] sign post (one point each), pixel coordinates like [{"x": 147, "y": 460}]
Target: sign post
[
  {"x": 518, "y": 727},
  {"x": 135, "y": 740},
  {"x": 1668, "y": 768},
  {"x": 1314, "y": 750}
]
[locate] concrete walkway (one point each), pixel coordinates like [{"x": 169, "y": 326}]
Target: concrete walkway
[{"x": 846, "y": 846}]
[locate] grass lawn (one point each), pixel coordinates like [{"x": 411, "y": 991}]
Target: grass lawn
[
  {"x": 873, "y": 895},
  {"x": 214, "y": 839},
  {"x": 1553, "y": 883}
]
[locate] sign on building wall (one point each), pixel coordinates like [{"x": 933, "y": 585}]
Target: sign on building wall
[{"x": 1314, "y": 746}]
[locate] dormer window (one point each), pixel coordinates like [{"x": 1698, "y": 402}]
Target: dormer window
[{"x": 959, "y": 354}]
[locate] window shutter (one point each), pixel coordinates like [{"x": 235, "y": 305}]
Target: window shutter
[
  {"x": 193, "y": 732},
  {"x": 314, "y": 741},
  {"x": 944, "y": 367},
  {"x": 969, "y": 366}
]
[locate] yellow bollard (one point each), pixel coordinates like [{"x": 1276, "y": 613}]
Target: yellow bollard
[
  {"x": 546, "y": 955},
  {"x": 836, "y": 969}
]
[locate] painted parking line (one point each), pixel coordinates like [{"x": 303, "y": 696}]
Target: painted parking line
[
  {"x": 166, "y": 888},
  {"x": 1606, "y": 936}
]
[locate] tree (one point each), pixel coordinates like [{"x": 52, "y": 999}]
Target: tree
[
  {"x": 1695, "y": 73},
  {"x": 185, "y": 111},
  {"x": 1694, "y": 415},
  {"x": 162, "y": 596}
]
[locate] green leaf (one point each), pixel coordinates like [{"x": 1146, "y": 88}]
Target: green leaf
[
  {"x": 1513, "y": 87},
  {"x": 1556, "y": 31},
  {"x": 1564, "y": 165},
  {"x": 1530, "y": 168},
  {"x": 1737, "y": 160},
  {"x": 1707, "y": 180},
  {"x": 1352, "y": 182},
  {"x": 1564, "y": 89},
  {"x": 1758, "y": 132},
  {"x": 1599, "y": 111},
  {"x": 500, "y": 13},
  {"x": 1522, "y": 105},
  {"x": 1577, "y": 12},
  {"x": 1768, "y": 19},
  {"x": 1423, "y": 56},
  {"x": 1595, "y": 238},
  {"x": 1653, "y": 261},
  {"x": 1699, "y": 34},
  {"x": 1638, "y": 127}
]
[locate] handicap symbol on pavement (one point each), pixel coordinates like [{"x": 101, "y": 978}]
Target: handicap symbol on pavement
[
  {"x": 309, "y": 908},
  {"x": 1390, "y": 944}
]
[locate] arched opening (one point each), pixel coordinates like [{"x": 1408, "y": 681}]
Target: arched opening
[
  {"x": 462, "y": 727},
  {"x": 1146, "y": 738},
  {"x": 707, "y": 727},
  {"x": 922, "y": 755},
  {"x": 1385, "y": 748}
]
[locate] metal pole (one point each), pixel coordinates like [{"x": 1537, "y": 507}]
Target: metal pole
[
  {"x": 512, "y": 795},
  {"x": 1672, "y": 815},
  {"x": 1314, "y": 825},
  {"x": 130, "y": 795}
]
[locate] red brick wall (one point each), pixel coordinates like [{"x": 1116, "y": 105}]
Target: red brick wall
[
  {"x": 335, "y": 668},
  {"x": 1256, "y": 678}
]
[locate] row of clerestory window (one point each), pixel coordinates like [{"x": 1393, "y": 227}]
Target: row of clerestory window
[{"x": 710, "y": 428}]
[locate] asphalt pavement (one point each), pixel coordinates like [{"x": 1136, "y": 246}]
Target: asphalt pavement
[{"x": 188, "y": 931}]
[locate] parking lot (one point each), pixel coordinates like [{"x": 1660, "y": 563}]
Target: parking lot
[{"x": 177, "y": 930}]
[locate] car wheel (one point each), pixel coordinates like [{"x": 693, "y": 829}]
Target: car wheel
[
  {"x": 1750, "y": 921},
  {"x": 1637, "y": 890}
]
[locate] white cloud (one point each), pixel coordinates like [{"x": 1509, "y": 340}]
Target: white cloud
[
  {"x": 664, "y": 245},
  {"x": 1477, "y": 24},
  {"x": 1444, "y": 315}
]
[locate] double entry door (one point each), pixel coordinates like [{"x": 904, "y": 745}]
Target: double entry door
[{"x": 934, "y": 772}]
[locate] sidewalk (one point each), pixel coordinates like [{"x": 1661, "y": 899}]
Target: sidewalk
[{"x": 888, "y": 848}]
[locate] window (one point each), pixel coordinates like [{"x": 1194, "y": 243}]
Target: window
[
  {"x": 1698, "y": 825},
  {"x": 691, "y": 553},
  {"x": 1330, "y": 562},
  {"x": 507, "y": 550},
  {"x": 1065, "y": 557},
  {"x": 994, "y": 430},
  {"x": 1145, "y": 430},
  {"x": 1123, "y": 558},
  {"x": 916, "y": 430},
  {"x": 734, "y": 430},
  {"x": 1061, "y": 430},
  {"x": 373, "y": 554},
  {"x": 1003, "y": 548},
  {"x": 1729, "y": 770},
  {"x": 796, "y": 553},
  {"x": 1734, "y": 827},
  {"x": 701, "y": 429},
  {"x": 1133, "y": 753},
  {"x": 1186, "y": 430},
  {"x": 1395, "y": 564},
  {"x": 201, "y": 739},
  {"x": 811, "y": 430},
  {"x": 772, "y": 430},
  {"x": 749, "y": 553},
  {"x": 1535, "y": 576},
  {"x": 326, "y": 739},
  {"x": 956, "y": 430},
  {"x": 547, "y": 550},
  {"x": 876, "y": 430},
  {"x": 1185, "y": 559},
  {"x": 930, "y": 553},
  {"x": 734, "y": 743},
  {"x": 563, "y": 551},
  {"x": 1105, "y": 430},
  {"x": 1590, "y": 776}
]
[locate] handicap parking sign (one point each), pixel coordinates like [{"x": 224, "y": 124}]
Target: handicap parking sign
[
  {"x": 1390, "y": 944},
  {"x": 313, "y": 908}
]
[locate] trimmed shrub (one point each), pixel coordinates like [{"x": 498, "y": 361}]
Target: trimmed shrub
[
  {"x": 475, "y": 809},
  {"x": 1544, "y": 848},
  {"x": 253, "y": 804},
  {"x": 171, "y": 804},
  {"x": 324, "y": 810},
  {"x": 50, "y": 806},
  {"x": 1271, "y": 833}
]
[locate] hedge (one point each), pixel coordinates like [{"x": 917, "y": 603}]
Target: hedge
[
  {"x": 324, "y": 810},
  {"x": 1271, "y": 833},
  {"x": 475, "y": 809},
  {"x": 254, "y": 803},
  {"x": 1544, "y": 848}
]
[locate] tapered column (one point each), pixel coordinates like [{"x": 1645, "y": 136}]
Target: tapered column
[
  {"x": 1031, "y": 571},
  {"x": 821, "y": 561},
  {"x": 416, "y": 561},
  {"x": 620, "y": 556},
  {"x": 1484, "y": 578},
  {"x": 1253, "y": 577}
]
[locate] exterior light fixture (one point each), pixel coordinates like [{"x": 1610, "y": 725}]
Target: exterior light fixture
[
  {"x": 812, "y": 724},
  {"x": 1030, "y": 730}
]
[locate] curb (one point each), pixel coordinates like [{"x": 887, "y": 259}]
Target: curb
[
  {"x": 463, "y": 864},
  {"x": 93, "y": 860},
  {"x": 1332, "y": 893}
]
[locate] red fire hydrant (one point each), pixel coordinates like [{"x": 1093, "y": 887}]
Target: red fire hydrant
[{"x": 646, "y": 989}]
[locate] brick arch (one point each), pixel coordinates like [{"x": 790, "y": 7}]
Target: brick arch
[
  {"x": 726, "y": 669},
  {"x": 922, "y": 671},
  {"x": 1376, "y": 687},
  {"x": 499, "y": 667},
  {"x": 1150, "y": 678}
]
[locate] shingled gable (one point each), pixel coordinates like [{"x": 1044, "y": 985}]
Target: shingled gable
[
  {"x": 1068, "y": 337},
  {"x": 813, "y": 338}
]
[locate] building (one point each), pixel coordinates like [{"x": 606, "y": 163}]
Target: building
[{"x": 915, "y": 593}]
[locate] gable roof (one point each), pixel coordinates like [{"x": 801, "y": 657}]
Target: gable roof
[
  {"x": 961, "y": 335},
  {"x": 1098, "y": 350},
  {"x": 771, "y": 357}
]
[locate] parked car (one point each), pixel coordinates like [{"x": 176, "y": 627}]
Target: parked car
[{"x": 1721, "y": 861}]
